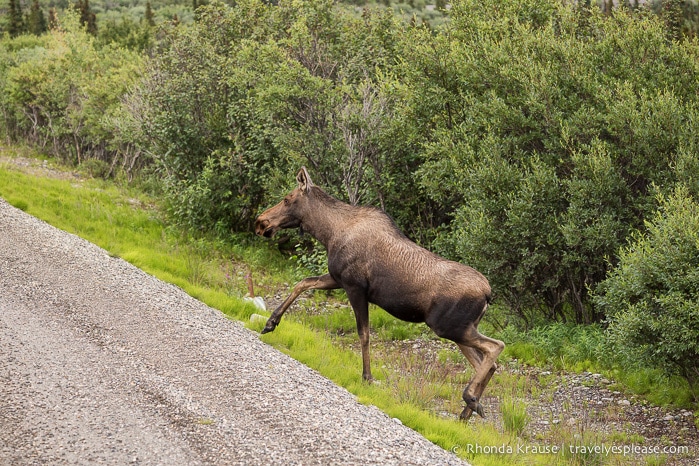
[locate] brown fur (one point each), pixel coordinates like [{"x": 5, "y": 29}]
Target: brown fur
[{"x": 374, "y": 262}]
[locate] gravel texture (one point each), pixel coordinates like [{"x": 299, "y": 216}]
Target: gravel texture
[{"x": 101, "y": 363}]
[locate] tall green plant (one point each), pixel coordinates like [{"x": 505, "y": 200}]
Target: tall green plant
[{"x": 652, "y": 297}]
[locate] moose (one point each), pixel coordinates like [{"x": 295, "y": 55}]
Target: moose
[{"x": 371, "y": 259}]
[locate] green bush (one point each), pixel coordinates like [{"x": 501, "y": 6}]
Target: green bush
[
  {"x": 652, "y": 297},
  {"x": 234, "y": 104},
  {"x": 60, "y": 92},
  {"x": 544, "y": 131},
  {"x": 125, "y": 32},
  {"x": 195, "y": 115}
]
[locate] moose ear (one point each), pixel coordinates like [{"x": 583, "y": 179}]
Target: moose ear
[{"x": 304, "y": 179}]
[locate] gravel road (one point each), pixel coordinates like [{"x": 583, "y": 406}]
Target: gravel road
[{"x": 101, "y": 363}]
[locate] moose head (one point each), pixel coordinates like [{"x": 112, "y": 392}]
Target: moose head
[{"x": 289, "y": 212}]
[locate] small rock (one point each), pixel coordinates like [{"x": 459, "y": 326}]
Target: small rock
[
  {"x": 258, "y": 302},
  {"x": 624, "y": 402},
  {"x": 669, "y": 418},
  {"x": 257, "y": 318},
  {"x": 397, "y": 421}
]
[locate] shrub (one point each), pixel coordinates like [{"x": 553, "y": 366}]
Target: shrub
[
  {"x": 60, "y": 92},
  {"x": 652, "y": 296},
  {"x": 195, "y": 114},
  {"x": 544, "y": 131},
  {"x": 236, "y": 102}
]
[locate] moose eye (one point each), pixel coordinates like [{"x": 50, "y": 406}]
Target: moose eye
[{"x": 286, "y": 201}]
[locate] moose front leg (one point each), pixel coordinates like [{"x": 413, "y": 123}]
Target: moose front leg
[
  {"x": 360, "y": 306},
  {"x": 324, "y": 282}
]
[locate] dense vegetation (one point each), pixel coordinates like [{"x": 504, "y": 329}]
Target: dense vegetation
[{"x": 552, "y": 146}]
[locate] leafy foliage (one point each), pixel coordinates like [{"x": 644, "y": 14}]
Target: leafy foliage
[
  {"x": 61, "y": 93},
  {"x": 652, "y": 298},
  {"x": 245, "y": 95},
  {"x": 546, "y": 131},
  {"x": 126, "y": 33}
]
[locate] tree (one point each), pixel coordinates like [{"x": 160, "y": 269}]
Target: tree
[
  {"x": 15, "y": 21},
  {"x": 150, "y": 17},
  {"x": 673, "y": 16},
  {"x": 608, "y": 7},
  {"x": 87, "y": 16},
  {"x": 53, "y": 19},
  {"x": 36, "y": 21}
]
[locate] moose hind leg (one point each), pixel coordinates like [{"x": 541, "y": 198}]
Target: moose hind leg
[
  {"x": 475, "y": 358},
  {"x": 489, "y": 349},
  {"x": 324, "y": 282}
]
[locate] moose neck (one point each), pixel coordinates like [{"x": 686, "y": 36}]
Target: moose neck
[{"x": 325, "y": 216}]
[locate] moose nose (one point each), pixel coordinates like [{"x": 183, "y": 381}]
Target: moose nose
[{"x": 260, "y": 226}]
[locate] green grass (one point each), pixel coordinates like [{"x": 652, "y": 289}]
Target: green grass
[
  {"x": 514, "y": 416},
  {"x": 578, "y": 348}
]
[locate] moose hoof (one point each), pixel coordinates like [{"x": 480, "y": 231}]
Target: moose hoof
[
  {"x": 479, "y": 410},
  {"x": 472, "y": 404},
  {"x": 269, "y": 327},
  {"x": 466, "y": 414},
  {"x": 470, "y": 409},
  {"x": 477, "y": 407}
]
